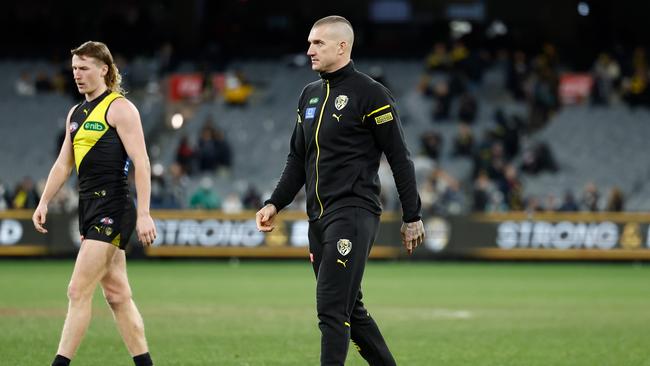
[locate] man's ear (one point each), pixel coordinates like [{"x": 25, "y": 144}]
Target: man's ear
[{"x": 343, "y": 45}]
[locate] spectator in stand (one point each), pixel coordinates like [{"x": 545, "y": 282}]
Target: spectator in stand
[
  {"x": 512, "y": 189},
  {"x": 590, "y": 198},
  {"x": 484, "y": 192},
  {"x": 25, "y": 195},
  {"x": 551, "y": 203},
  {"x": 24, "y": 85},
  {"x": 483, "y": 153},
  {"x": 232, "y": 204},
  {"x": 454, "y": 199},
  {"x": 468, "y": 108},
  {"x": 438, "y": 59},
  {"x": 208, "y": 88},
  {"x": 569, "y": 203},
  {"x": 252, "y": 198},
  {"x": 177, "y": 183},
  {"x": 207, "y": 150},
  {"x": 616, "y": 200},
  {"x": 158, "y": 192},
  {"x": 533, "y": 205},
  {"x": 431, "y": 144},
  {"x": 544, "y": 98},
  {"x": 237, "y": 90},
  {"x": 496, "y": 168},
  {"x": 538, "y": 158},
  {"x": 508, "y": 132},
  {"x": 635, "y": 88},
  {"x": 61, "y": 82},
  {"x": 222, "y": 149},
  {"x": 460, "y": 57},
  {"x": 4, "y": 197},
  {"x": 446, "y": 197},
  {"x": 464, "y": 141},
  {"x": 550, "y": 54},
  {"x": 185, "y": 155},
  {"x": 205, "y": 196},
  {"x": 606, "y": 74},
  {"x": 427, "y": 197},
  {"x": 442, "y": 99},
  {"x": 517, "y": 75},
  {"x": 43, "y": 83}
]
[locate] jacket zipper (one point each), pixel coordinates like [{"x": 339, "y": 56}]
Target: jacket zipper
[{"x": 320, "y": 118}]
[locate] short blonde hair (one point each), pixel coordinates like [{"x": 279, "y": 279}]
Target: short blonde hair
[{"x": 335, "y": 19}]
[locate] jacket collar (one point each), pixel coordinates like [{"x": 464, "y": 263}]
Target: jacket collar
[{"x": 340, "y": 74}]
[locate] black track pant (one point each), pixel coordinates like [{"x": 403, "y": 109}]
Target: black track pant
[{"x": 339, "y": 244}]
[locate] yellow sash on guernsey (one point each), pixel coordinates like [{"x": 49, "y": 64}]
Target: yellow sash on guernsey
[{"x": 92, "y": 129}]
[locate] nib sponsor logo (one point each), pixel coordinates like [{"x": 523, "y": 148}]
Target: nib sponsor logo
[{"x": 94, "y": 126}]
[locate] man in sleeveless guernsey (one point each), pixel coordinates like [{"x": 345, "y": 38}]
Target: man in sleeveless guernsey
[{"x": 104, "y": 136}]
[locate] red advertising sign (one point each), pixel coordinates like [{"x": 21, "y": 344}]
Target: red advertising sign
[
  {"x": 185, "y": 86},
  {"x": 575, "y": 87}
]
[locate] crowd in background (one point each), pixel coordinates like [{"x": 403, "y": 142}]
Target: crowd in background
[
  {"x": 453, "y": 76},
  {"x": 504, "y": 152}
]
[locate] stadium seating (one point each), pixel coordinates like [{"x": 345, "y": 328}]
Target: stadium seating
[{"x": 603, "y": 145}]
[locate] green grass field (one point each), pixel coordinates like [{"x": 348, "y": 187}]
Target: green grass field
[{"x": 263, "y": 313}]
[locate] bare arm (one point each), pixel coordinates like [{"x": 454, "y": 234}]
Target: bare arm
[
  {"x": 58, "y": 176},
  {"x": 124, "y": 117}
]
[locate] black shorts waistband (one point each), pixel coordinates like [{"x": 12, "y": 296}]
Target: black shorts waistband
[{"x": 104, "y": 193}]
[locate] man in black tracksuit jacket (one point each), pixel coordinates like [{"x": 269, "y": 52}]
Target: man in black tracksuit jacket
[{"x": 345, "y": 121}]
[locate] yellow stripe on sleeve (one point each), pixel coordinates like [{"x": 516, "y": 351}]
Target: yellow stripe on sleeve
[{"x": 375, "y": 111}]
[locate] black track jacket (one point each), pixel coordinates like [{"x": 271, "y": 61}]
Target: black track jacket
[{"x": 345, "y": 121}]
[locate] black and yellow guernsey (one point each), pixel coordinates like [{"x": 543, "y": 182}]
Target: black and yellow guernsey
[
  {"x": 345, "y": 122},
  {"x": 101, "y": 160}
]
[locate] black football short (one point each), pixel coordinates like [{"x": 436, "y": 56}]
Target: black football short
[{"x": 107, "y": 219}]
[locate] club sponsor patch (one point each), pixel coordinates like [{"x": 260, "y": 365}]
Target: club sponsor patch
[
  {"x": 340, "y": 102},
  {"x": 73, "y": 126},
  {"x": 313, "y": 100},
  {"x": 344, "y": 246},
  {"x": 386, "y": 117},
  {"x": 106, "y": 221},
  {"x": 310, "y": 113}
]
